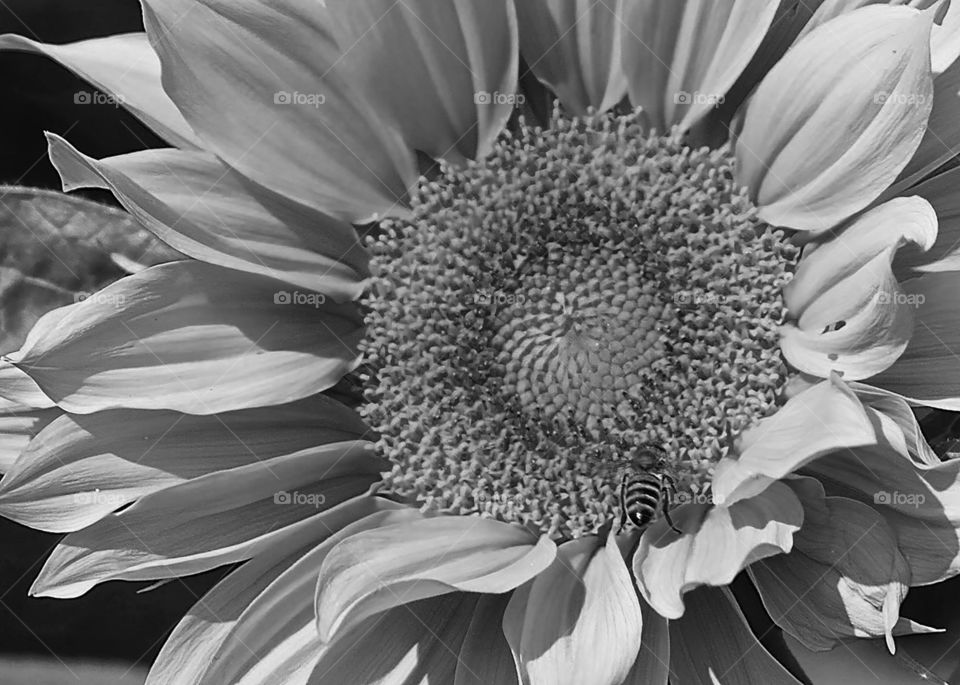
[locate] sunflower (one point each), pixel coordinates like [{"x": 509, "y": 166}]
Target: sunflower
[{"x": 457, "y": 271}]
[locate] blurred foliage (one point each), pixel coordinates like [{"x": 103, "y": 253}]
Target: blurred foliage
[{"x": 56, "y": 249}]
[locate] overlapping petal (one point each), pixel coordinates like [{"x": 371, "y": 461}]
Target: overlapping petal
[
  {"x": 79, "y": 468},
  {"x": 682, "y": 57},
  {"x": 378, "y": 569},
  {"x": 849, "y": 312},
  {"x": 780, "y": 444},
  {"x": 579, "y": 620},
  {"x": 716, "y": 543},
  {"x": 194, "y": 202},
  {"x": 838, "y": 118},
  {"x": 844, "y": 577},
  {"x": 573, "y": 46},
  {"x": 334, "y": 109},
  {"x": 211, "y": 520},
  {"x": 712, "y": 643},
  {"x": 258, "y": 623},
  {"x": 191, "y": 337},
  {"x": 127, "y": 68}
]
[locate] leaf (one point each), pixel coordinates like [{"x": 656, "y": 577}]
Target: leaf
[{"x": 56, "y": 249}]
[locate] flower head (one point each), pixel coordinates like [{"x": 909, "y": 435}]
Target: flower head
[{"x": 539, "y": 299}]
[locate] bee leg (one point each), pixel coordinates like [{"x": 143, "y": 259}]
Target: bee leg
[{"x": 623, "y": 504}]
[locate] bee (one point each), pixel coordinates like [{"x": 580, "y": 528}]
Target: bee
[{"x": 646, "y": 492}]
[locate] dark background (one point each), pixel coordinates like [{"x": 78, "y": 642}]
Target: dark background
[{"x": 112, "y": 621}]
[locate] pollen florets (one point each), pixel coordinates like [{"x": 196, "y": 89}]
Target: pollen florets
[{"x": 585, "y": 289}]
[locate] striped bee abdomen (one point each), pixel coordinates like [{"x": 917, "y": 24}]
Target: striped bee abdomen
[{"x": 642, "y": 497}]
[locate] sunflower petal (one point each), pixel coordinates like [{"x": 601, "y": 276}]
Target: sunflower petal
[
  {"x": 191, "y": 337},
  {"x": 416, "y": 642},
  {"x": 850, "y": 312},
  {"x": 195, "y": 203},
  {"x": 784, "y": 442},
  {"x": 941, "y": 141},
  {"x": 725, "y": 653},
  {"x": 20, "y": 391},
  {"x": 573, "y": 46},
  {"x": 378, "y": 569},
  {"x": 209, "y": 521},
  {"x": 845, "y": 576},
  {"x": 920, "y": 502},
  {"x": 449, "y": 65},
  {"x": 126, "y": 67},
  {"x": 485, "y": 657},
  {"x": 716, "y": 544},
  {"x": 190, "y": 650},
  {"x": 271, "y": 636},
  {"x": 652, "y": 666},
  {"x": 829, "y": 129},
  {"x": 682, "y": 57},
  {"x": 927, "y": 372},
  {"x": 82, "y": 467},
  {"x": 944, "y": 254},
  {"x": 579, "y": 620}
]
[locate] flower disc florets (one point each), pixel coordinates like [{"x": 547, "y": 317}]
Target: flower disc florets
[{"x": 584, "y": 290}]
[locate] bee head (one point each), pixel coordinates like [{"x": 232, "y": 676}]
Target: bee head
[{"x": 649, "y": 456}]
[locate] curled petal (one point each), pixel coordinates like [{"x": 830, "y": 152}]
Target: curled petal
[
  {"x": 682, "y": 57},
  {"x": 579, "y": 620},
  {"x": 851, "y": 314},
  {"x": 837, "y": 119},
  {"x": 195, "y": 203},
  {"x": 573, "y": 46},
  {"x": 845, "y": 576},
  {"x": 191, "y": 337},
  {"x": 216, "y": 519},
  {"x": 825, "y": 418},
  {"x": 716, "y": 544},
  {"x": 379, "y": 569},
  {"x": 126, "y": 67},
  {"x": 82, "y": 467}
]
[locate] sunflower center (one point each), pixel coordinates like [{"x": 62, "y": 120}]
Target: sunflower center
[{"x": 585, "y": 292}]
